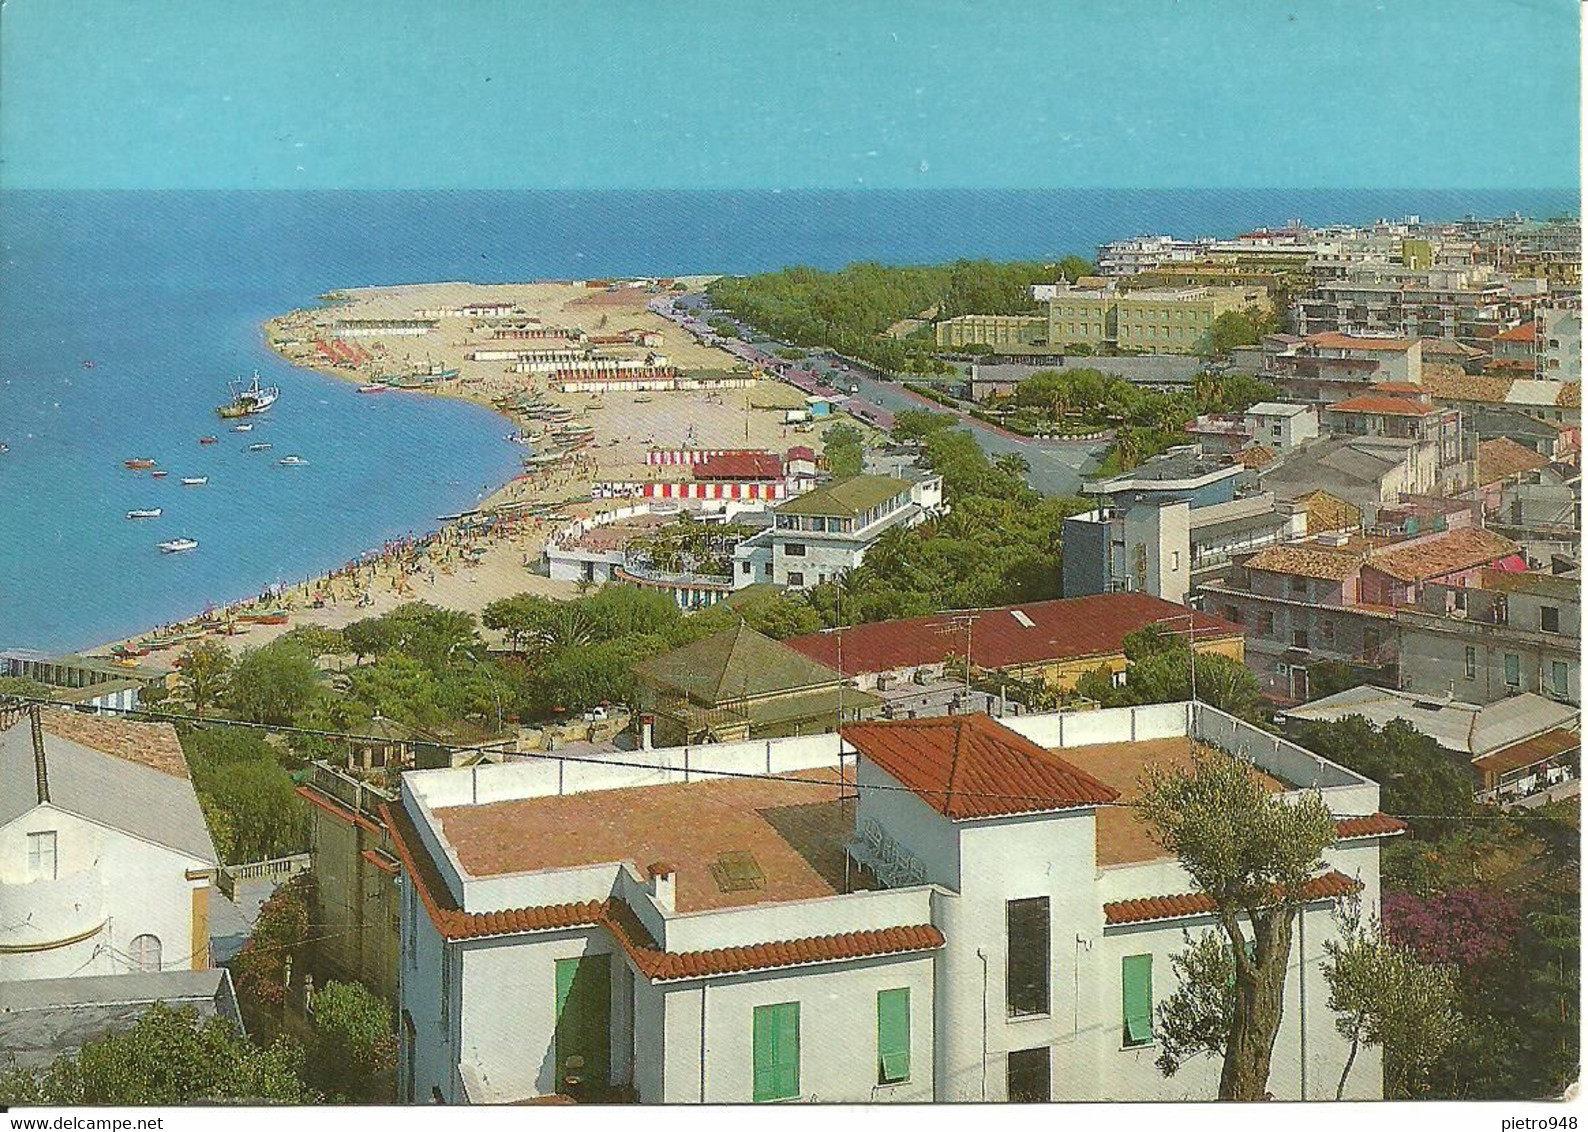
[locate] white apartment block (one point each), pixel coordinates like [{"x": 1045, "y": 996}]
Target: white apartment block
[
  {"x": 1560, "y": 345},
  {"x": 105, "y": 860},
  {"x": 954, "y": 909}
]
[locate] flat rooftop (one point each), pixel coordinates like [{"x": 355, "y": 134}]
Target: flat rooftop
[
  {"x": 731, "y": 842},
  {"x": 1123, "y": 838}
]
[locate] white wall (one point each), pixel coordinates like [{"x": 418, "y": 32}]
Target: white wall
[{"x": 132, "y": 886}]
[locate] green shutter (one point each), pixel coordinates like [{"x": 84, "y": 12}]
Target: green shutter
[
  {"x": 566, "y": 970},
  {"x": 776, "y": 1054},
  {"x": 893, "y": 1036},
  {"x": 1138, "y": 999},
  {"x": 1513, "y": 669}
]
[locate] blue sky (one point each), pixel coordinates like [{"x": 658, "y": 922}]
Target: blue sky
[{"x": 701, "y": 94}]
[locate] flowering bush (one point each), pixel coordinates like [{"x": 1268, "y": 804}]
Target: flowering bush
[{"x": 1465, "y": 926}]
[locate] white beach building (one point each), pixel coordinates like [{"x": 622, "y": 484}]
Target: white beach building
[
  {"x": 953, "y": 909},
  {"x": 105, "y": 860}
]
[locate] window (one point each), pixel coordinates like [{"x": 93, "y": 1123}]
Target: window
[
  {"x": 1460, "y": 597},
  {"x": 1513, "y": 670},
  {"x": 776, "y": 1055},
  {"x": 1558, "y": 677},
  {"x": 1549, "y": 618},
  {"x": 1136, "y": 980},
  {"x": 796, "y": 578},
  {"x": 744, "y": 567},
  {"x": 768, "y": 569},
  {"x": 1028, "y": 1076},
  {"x": 1298, "y": 638},
  {"x": 1233, "y": 614},
  {"x": 1298, "y": 585},
  {"x": 1472, "y": 663},
  {"x": 1265, "y": 622},
  {"x": 1027, "y": 961},
  {"x": 794, "y": 549},
  {"x": 893, "y": 1036},
  {"x": 1174, "y": 560},
  {"x": 1326, "y": 631},
  {"x": 1275, "y": 431},
  {"x": 1117, "y": 679},
  {"x": 42, "y": 864},
  {"x": 144, "y": 951}
]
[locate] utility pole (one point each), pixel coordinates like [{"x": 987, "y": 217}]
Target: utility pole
[{"x": 964, "y": 621}]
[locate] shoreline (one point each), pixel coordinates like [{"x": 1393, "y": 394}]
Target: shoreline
[{"x": 495, "y": 548}]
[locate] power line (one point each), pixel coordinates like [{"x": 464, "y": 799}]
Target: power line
[{"x": 630, "y": 764}]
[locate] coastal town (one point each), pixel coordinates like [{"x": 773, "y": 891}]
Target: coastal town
[{"x": 882, "y": 685}]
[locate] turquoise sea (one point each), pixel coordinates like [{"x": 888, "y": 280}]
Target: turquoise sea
[{"x": 165, "y": 293}]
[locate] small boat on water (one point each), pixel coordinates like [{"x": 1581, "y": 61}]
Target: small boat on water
[
  {"x": 139, "y": 462},
  {"x": 88, "y": 363},
  {"x": 242, "y": 428},
  {"x": 177, "y": 545},
  {"x": 4, "y": 448},
  {"x": 292, "y": 461},
  {"x": 247, "y": 402},
  {"x": 144, "y": 513},
  {"x": 195, "y": 481},
  {"x": 262, "y": 446},
  {"x": 372, "y": 388},
  {"x": 209, "y": 440},
  {"x": 159, "y": 475}
]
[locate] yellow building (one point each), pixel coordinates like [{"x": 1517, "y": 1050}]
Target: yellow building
[{"x": 996, "y": 330}]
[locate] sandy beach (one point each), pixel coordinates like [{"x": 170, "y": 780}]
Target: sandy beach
[{"x": 498, "y": 552}]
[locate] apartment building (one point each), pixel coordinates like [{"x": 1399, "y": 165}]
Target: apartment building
[
  {"x": 946, "y": 909},
  {"x": 1560, "y": 344},
  {"x": 1330, "y": 366},
  {"x": 1503, "y": 634},
  {"x": 821, "y": 535},
  {"x": 1469, "y": 303}
]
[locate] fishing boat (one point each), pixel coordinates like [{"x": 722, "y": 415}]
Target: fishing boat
[
  {"x": 375, "y": 387},
  {"x": 139, "y": 462},
  {"x": 247, "y": 402},
  {"x": 242, "y": 428},
  {"x": 177, "y": 545},
  {"x": 209, "y": 440},
  {"x": 262, "y": 446},
  {"x": 144, "y": 513},
  {"x": 195, "y": 481},
  {"x": 292, "y": 461}
]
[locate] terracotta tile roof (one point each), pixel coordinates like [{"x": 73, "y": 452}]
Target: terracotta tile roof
[
  {"x": 1455, "y": 550},
  {"x": 1308, "y": 561},
  {"x": 802, "y": 452},
  {"x": 1326, "y": 887},
  {"x": 1060, "y": 629},
  {"x": 1570, "y": 395},
  {"x": 1331, "y": 340},
  {"x": 1461, "y": 386},
  {"x": 1501, "y": 458},
  {"x": 1387, "y": 406},
  {"x": 1257, "y": 456},
  {"x": 153, "y": 745},
  {"x": 619, "y": 920},
  {"x": 1400, "y": 388},
  {"x": 1374, "y": 825},
  {"x": 1327, "y": 512},
  {"x": 971, "y": 766},
  {"x": 740, "y": 466},
  {"x": 1527, "y": 332},
  {"x": 1528, "y": 752}
]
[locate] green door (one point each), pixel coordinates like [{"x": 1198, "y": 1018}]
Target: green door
[{"x": 584, "y": 1024}]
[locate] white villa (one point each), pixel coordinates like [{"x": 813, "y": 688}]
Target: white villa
[{"x": 953, "y": 909}]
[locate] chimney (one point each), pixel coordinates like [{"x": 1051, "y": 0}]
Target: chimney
[
  {"x": 647, "y": 723},
  {"x": 662, "y": 885},
  {"x": 41, "y": 772}
]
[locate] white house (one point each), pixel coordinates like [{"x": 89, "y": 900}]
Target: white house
[
  {"x": 105, "y": 861},
  {"x": 1280, "y": 425},
  {"x": 954, "y": 909},
  {"x": 823, "y": 534}
]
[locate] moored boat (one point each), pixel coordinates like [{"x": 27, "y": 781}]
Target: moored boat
[
  {"x": 208, "y": 440},
  {"x": 159, "y": 475},
  {"x": 195, "y": 481},
  {"x": 242, "y": 428},
  {"x": 177, "y": 545},
  {"x": 144, "y": 513},
  {"x": 139, "y": 462},
  {"x": 292, "y": 461},
  {"x": 254, "y": 399},
  {"x": 375, "y": 387},
  {"x": 262, "y": 446}
]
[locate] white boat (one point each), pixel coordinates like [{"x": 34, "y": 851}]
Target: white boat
[
  {"x": 195, "y": 481},
  {"x": 144, "y": 513},
  {"x": 177, "y": 545},
  {"x": 254, "y": 399},
  {"x": 262, "y": 446},
  {"x": 242, "y": 428},
  {"x": 373, "y": 388},
  {"x": 292, "y": 461}
]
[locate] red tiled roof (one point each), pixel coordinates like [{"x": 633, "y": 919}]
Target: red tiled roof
[
  {"x": 1061, "y": 629},
  {"x": 1388, "y": 406},
  {"x": 153, "y": 745},
  {"x": 619, "y": 920},
  {"x": 971, "y": 766},
  {"x": 1400, "y": 388},
  {"x": 801, "y": 452},
  {"x": 1501, "y": 458},
  {"x": 1331, "y": 340},
  {"x": 1325, "y": 887},
  {"x": 1374, "y": 825},
  {"x": 1527, "y": 332},
  {"x": 740, "y": 466},
  {"x": 1455, "y": 550},
  {"x": 1310, "y": 560},
  {"x": 1257, "y": 456}
]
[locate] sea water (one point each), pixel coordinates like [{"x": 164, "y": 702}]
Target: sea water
[{"x": 165, "y": 293}]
